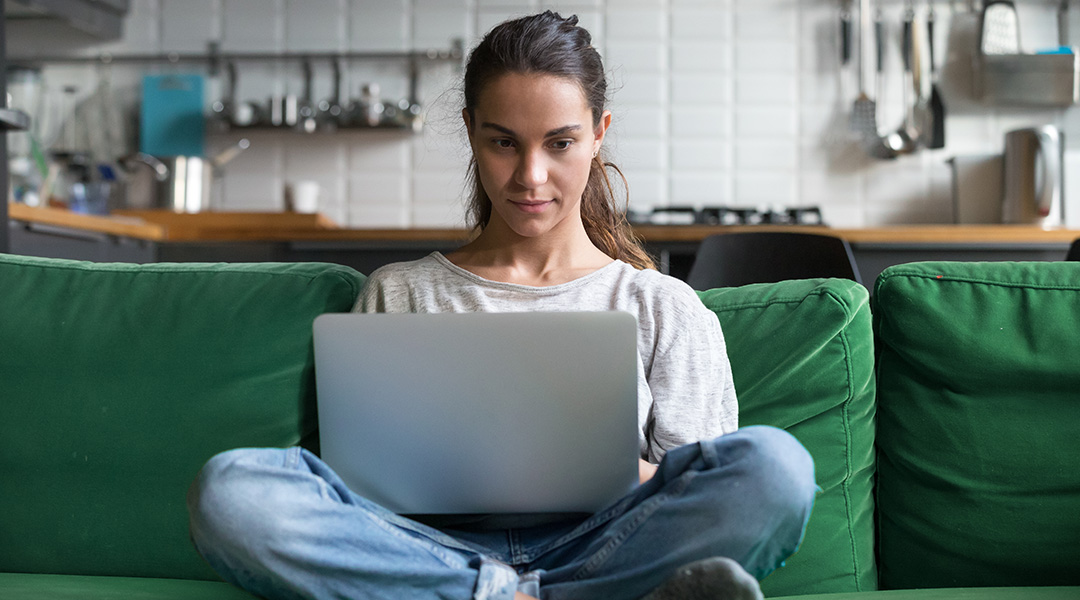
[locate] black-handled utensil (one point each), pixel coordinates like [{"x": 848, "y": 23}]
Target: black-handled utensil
[
  {"x": 845, "y": 37},
  {"x": 937, "y": 106}
]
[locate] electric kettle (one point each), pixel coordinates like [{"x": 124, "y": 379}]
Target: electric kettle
[{"x": 1034, "y": 177}]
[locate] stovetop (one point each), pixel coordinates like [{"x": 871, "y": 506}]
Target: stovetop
[{"x": 727, "y": 215}]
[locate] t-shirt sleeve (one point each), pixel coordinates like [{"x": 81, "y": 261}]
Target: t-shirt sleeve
[
  {"x": 690, "y": 381},
  {"x": 385, "y": 291},
  {"x": 371, "y": 296}
]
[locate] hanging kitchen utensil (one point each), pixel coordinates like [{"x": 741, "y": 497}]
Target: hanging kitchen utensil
[
  {"x": 905, "y": 139},
  {"x": 1063, "y": 23},
  {"x": 999, "y": 31},
  {"x": 306, "y": 106},
  {"x": 225, "y": 111},
  {"x": 330, "y": 110},
  {"x": 845, "y": 44},
  {"x": 880, "y": 147},
  {"x": 936, "y": 129},
  {"x": 864, "y": 112},
  {"x": 838, "y": 134}
]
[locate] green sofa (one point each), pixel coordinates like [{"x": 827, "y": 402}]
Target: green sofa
[{"x": 942, "y": 422}]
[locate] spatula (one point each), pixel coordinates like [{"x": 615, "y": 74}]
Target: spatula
[{"x": 864, "y": 112}]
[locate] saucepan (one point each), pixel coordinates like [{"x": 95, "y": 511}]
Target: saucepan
[{"x": 183, "y": 184}]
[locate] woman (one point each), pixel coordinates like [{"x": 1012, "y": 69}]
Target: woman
[{"x": 281, "y": 524}]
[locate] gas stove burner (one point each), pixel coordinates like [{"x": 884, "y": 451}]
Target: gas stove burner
[{"x": 730, "y": 215}]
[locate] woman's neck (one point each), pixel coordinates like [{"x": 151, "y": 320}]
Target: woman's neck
[{"x": 499, "y": 254}]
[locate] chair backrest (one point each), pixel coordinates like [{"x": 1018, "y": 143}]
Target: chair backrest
[
  {"x": 734, "y": 259},
  {"x": 1074, "y": 250}
]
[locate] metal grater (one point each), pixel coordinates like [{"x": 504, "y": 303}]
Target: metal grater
[{"x": 1000, "y": 29}]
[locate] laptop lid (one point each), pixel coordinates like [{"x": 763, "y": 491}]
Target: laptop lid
[{"x": 462, "y": 413}]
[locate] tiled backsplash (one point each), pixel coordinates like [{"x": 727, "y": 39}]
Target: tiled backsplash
[{"x": 739, "y": 102}]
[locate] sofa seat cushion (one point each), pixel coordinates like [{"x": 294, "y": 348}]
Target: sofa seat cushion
[
  {"x": 121, "y": 380},
  {"x": 978, "y": 405},
  {"x": 23, "y": 586},
  {"x": 802, "y": 357},
  {"x": 985, "y": 593}
]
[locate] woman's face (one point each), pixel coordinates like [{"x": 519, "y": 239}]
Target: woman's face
[{"x": 534, "y": 140}]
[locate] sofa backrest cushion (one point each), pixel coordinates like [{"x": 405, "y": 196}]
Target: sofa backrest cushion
[
  {"x": 119, "y": 381},
  {"x": 802, "y": 357},
  {"x": 978, "y": 406}
]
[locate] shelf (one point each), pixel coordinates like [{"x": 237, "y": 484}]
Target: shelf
[
  {"x": 1049, "y": 80},
  {"x": 219, "y": 128},
  {"x": 218, "y": 63}
]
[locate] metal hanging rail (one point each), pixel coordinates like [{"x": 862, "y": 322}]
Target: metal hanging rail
[{"x": 213, "y": 57}]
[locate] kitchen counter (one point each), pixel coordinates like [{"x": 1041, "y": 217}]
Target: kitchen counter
[
  {"x": 162, "y": 236},
  {"x": 234, "y": 226}
]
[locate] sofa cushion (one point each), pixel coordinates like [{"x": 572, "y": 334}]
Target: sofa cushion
[
  {"x": 979, "y": 400},
  {"x": 23, "y": 586},
  {"x": 121, "y": 380},
  {"x": 802, "y": 357}
]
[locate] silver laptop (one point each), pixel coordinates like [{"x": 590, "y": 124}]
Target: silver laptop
[{"x": 480, "y": 412}]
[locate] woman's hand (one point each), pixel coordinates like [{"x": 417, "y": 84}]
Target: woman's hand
[{"x": 645, "y": 470}]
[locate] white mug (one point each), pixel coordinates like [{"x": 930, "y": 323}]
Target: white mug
[{"x": 302, "y": 196}]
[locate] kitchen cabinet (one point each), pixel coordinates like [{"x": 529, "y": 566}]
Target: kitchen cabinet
[{"x": 50, "y": 241}]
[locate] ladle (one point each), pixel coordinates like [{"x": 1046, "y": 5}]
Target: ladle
[{"x": 905, "y": 139}]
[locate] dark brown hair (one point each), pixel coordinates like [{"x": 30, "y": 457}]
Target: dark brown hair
[{"x": 548, "y": 44}]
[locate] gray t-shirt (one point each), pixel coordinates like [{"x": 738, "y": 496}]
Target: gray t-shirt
[{"x": 685, "y": 392}]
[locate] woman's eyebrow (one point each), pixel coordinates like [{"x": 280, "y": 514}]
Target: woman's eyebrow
[{"x": 554, "y": 132}]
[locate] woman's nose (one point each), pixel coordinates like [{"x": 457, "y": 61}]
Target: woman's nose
[{"x": 532, "y": 170}]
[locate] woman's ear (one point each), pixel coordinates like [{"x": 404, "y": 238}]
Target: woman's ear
[
  {"x": 468, "y": 121},
  {"x": 601, "y": 130}
]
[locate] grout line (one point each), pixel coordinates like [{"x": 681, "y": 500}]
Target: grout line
[
  {"x": 800, "y": 24},
  {"x": 666, "y": 137}
]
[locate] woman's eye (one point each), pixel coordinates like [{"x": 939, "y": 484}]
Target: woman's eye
[
  {"x": 504, "y": 144},
  {"x": 562, "y": 144}
]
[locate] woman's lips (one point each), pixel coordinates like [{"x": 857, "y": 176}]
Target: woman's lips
[{"x": 531, "y": 206}]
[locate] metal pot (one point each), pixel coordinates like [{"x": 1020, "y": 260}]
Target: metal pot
[{"x": 182, "y": 184}]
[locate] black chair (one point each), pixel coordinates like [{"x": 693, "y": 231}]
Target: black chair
[
  {"x": 1074, "y": 250},
  {"x": 734, "y": 259}
]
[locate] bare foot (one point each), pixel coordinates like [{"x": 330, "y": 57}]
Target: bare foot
[{"x": 520, "y": 596}]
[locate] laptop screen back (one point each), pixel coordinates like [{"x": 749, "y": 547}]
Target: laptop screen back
[{"x": 480, "y": 412}]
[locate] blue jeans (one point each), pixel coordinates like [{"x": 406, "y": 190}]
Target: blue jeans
[{"x": 281, "y": 524}]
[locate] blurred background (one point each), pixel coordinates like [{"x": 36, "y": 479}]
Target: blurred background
[{"x": 352, "y": 106}]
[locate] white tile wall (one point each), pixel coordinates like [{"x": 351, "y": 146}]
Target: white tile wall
[{"x": 715, "y": 101}]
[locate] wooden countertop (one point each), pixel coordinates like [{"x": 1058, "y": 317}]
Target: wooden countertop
[{"x": 166, "y": 226}]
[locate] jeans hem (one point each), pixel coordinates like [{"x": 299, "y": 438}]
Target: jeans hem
[{"x": 496, "y": 581}]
